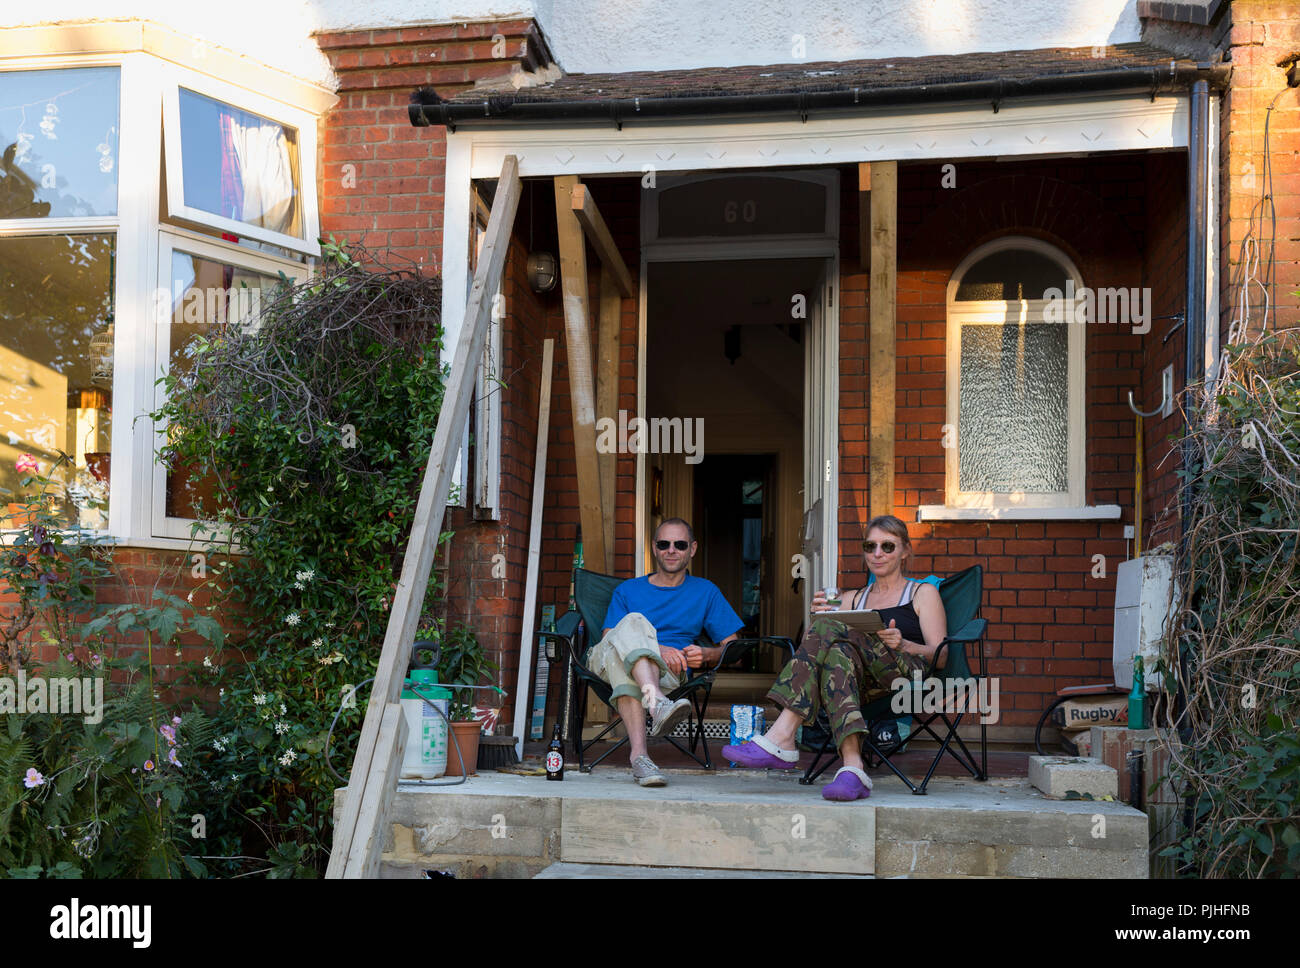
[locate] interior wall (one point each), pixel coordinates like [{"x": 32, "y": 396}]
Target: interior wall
[{"x": 751, "y": 406}]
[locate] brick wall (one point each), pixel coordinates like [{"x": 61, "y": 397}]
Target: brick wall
[
  {"x": 1050, "y": 620},
  {"x": 1165, "y": 271},
  {"x": 1254, "y": 36},
  {"x": 381, "y": 180}
]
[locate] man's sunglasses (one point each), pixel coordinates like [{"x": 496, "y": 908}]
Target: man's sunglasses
[
  {"x": 886, "y": 546},
  {"x": 679, "y": 545}
]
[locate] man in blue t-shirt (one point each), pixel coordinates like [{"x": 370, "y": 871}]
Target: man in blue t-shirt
[{"x": 649, "y": 641}]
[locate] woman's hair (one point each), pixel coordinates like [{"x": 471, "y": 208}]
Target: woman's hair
[{"x": 894, "y": 526}]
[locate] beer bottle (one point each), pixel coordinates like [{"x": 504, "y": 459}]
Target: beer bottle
[{"x": 555, "y": 756}]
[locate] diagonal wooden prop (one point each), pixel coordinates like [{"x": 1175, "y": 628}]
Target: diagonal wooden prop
[{"x": 358, "y": 836}]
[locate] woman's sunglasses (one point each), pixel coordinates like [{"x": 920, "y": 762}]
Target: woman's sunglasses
[
  {"x": 885, "y": 546},
  {"x": 679, "y": 545}
]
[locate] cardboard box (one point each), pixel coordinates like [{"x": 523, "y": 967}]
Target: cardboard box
[{"x": 1088, "y": 711}]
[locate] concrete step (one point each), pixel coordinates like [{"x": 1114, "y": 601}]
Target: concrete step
[
  {"x": 502, "y": 825},
  {"x": 566, "y": 870}
]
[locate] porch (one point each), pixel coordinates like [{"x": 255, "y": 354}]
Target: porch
[{"x": 740, "y": 823}]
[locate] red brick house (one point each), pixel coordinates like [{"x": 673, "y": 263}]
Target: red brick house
[{"x": 738, "y": 199}]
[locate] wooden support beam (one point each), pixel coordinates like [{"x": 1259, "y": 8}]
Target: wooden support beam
[
  {"x": 573, "y": 280},
  {"x": 526, "y": 643},
  {"x": 373, "y": 777},
  {"x": 864, "y": 215},
  {"x": 611, "y": 307},
  {"x": 593, "y": 224},
  {"x": 883, "y": 331}
]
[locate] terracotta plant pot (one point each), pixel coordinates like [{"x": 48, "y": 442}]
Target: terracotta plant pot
[{"x": 467, "y": 735}]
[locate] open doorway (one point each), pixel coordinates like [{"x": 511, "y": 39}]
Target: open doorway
[{"x": 726, "y": 343}]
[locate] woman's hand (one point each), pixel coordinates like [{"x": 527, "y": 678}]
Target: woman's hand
[
  {"x": 819, "y": 602},
  {"x": 891, "y": 636}
]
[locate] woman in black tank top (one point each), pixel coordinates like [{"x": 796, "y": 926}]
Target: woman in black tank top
[{"x": 843, "y": 670}]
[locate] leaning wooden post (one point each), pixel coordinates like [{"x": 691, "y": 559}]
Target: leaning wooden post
[
  {"x": 358, "y": 836},
  {"x": 573, "y": 279}
]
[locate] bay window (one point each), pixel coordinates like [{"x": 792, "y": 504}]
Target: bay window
[{"x": 141, "y": 204}]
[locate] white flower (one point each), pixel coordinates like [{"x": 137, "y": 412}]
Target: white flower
[
  {"x": 259, "y": 700},
  {"x": 234, "y": 778},
  {"x": 283, "y": 711},
  {"x": 316, "y": 643},
  {"x": 207, "y": 662},
  {"x": 307, "y": 575},
  {"x": 281, "y": 728},
  {"x": 292, "y": 619},
  {"x": 329, "y": 625},
  {"x": 219, "y": 745},
  {"x": 288, "y": 757},
  {"x": 221, "y": 693}
]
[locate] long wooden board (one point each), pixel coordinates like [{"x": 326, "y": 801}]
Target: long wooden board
[
  {"x": 356, "y": 844},
  {"x": 526, "y": 644},
  {"x": 573, "y": 280},
  {"x": 884, "y": 362},
  {"x": 607, "y": 350}
]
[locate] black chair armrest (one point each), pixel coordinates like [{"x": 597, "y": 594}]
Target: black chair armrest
[
  {"x": 570, "y": 642},
  {"x": 782, "y": 640}
]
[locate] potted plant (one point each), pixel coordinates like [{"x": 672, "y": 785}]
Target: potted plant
[{"x": 463, "y": 662}]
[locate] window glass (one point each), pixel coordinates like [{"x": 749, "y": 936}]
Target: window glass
[
  {"x": 1011, "y": 274},
  {"x": 206, "y": 295},
  {"x": 1014, "y": 419},
  {"x": 240, "y": 165},
  {"x": 58, "y": 142},
  {"x": 743, "y": 205},
  {"x": 56, "y": 372}
]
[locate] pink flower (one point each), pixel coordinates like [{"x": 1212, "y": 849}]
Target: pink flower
[
  {"x": 176, "y": 720},
  {"x": 169, "y": 733},
  {"x": 27, "y": 463},
  {"x": 148, "y": 764},
  {"x": 97, "y": 659},
  {"x": 33, "y": 778},
  {"x": 71, "y": 657},
  {"x": 171, "y": 757}
]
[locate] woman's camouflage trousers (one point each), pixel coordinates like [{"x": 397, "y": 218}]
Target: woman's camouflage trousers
[{"x": 841, "y": 670}]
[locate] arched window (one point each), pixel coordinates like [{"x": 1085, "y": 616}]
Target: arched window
[{"x": 1015, "y": 434}]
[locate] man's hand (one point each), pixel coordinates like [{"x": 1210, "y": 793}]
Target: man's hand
[
  {"x": 695, "y": 657},
  {"x": 674, "y": 659}
]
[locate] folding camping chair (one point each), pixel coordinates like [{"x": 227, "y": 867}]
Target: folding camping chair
[
  {"x": 592, "y": 592},
  {"x": 961, "y": 594}
]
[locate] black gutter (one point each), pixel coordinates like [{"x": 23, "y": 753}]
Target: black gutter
[{"x": 427, "y": 109}]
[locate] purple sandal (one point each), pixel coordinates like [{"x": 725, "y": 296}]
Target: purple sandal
[
  {"x": 756, "y": 754},
  {"x": 850, "y": 783}
]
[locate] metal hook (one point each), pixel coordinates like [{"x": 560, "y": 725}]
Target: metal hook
[{"x": 1154, "y": 413}]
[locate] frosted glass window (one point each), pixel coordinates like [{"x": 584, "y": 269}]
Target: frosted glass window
[
  {"x": 1011, "y": 274},
  {"x": 1014, "y": 412}
]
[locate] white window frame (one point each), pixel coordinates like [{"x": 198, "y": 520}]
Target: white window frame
[
  {"x": 997, "y": 313},
  {"x": 301, "y": 121},
  {"x": 171, "y": 241},
  {"x": 146, "y": 75}
]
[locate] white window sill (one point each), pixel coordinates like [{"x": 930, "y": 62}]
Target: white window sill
[{"x": 1097, "y": 512}]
